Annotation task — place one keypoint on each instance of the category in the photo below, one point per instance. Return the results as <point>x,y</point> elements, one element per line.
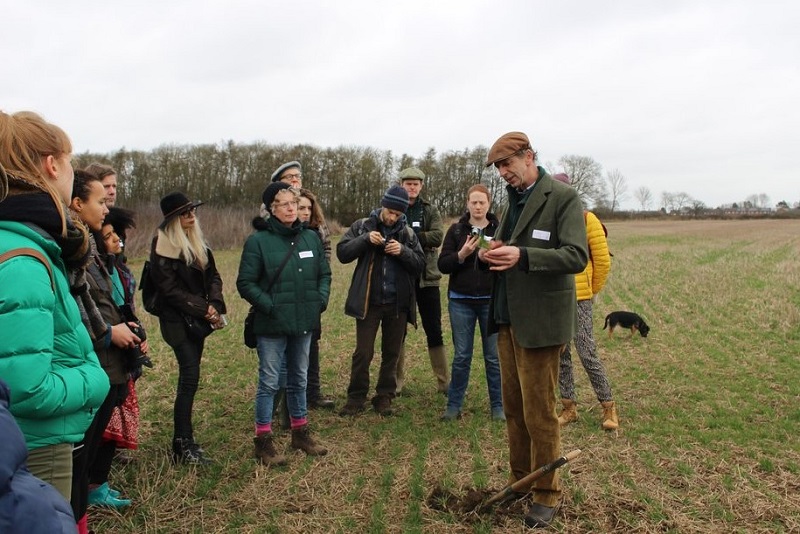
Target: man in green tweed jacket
<point>539,247</point>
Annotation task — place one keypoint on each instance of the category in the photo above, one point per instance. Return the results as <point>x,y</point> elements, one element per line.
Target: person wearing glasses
<point>291,173</point>
<point>190,289</point>
<point>284,274</point>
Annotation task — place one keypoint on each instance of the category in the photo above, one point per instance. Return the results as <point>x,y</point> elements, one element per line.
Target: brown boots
<point>265,450</point>
<point>301,439</point>
<point>610,419</point>
<point>569,414</point>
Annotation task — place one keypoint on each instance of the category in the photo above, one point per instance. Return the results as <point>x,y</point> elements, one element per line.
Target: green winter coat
<point>46,354</point>
<point>551,234</point>
<point>294,303</point>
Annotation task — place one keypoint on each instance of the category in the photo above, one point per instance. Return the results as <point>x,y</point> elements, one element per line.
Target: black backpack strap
<point>34,254</point>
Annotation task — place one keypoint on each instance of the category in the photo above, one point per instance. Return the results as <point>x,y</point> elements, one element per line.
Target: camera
<point>136,357</point>
<point>475,231</point>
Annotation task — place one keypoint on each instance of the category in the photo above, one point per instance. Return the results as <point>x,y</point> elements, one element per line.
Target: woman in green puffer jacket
<point>46,356</point>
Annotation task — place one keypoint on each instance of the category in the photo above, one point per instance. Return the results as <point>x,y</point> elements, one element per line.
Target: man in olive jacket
<point>539,247</point>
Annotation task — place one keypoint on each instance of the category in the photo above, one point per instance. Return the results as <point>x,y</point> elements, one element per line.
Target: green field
<point>709,410</point>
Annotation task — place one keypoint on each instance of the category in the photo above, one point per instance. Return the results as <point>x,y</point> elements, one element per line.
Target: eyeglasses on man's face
<point>292,176</point>
<point>188,213</point>
<point>286,205</point>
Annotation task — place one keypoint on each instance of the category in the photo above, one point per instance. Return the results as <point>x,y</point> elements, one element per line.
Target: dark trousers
<point>104,456</point>
<point>313,384</point>
<point>188,352</point>
<point>430,311</point>
<point>393,327</point>
<point>84,453</point>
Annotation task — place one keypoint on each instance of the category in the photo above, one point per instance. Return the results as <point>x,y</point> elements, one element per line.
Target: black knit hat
<point>174,204</point>
<point>396,198</point>
<point>271,192</point>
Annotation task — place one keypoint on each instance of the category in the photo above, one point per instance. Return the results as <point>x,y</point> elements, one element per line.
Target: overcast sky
<point>701,97</point>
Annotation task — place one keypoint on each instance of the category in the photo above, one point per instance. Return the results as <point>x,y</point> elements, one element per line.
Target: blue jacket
<point>28,505</point>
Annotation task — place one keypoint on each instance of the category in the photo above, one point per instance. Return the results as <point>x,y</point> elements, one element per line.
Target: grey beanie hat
<point>276,176</point>
<point>396,198</point>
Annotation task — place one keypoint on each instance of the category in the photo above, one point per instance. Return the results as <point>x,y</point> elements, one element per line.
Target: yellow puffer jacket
<point>593,278</point>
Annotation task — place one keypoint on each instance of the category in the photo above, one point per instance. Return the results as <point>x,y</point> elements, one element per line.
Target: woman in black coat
<point>191,307</point>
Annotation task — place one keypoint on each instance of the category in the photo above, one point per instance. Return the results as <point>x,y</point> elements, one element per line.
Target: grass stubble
<point>709,407</point>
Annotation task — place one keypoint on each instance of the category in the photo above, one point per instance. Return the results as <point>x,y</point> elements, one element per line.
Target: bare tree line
<point>349,180</point>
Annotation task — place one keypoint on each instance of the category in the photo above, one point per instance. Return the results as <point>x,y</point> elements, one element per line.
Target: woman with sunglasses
<point>191,306</point>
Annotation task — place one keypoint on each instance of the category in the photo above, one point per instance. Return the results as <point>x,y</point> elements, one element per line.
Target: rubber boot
<point>610,419</point>
<point>280,410</point>
<point>301,439</point>
<point>265,450</point>
<point>440,368</point>
<point>401,370</point>
<point>569,414</point>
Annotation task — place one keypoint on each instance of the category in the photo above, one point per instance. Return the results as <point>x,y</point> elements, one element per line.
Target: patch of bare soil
<point>469,506</point>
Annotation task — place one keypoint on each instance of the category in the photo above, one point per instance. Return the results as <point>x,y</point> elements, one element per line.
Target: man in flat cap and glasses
<point>539,247</point>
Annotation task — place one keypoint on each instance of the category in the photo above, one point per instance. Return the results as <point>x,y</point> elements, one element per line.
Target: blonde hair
<point>191,242</point>
<point>26,139</point>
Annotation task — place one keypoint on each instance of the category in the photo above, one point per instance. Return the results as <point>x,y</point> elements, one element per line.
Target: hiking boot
<point>451,414</point>
<point>498,414</point>
<point>265,450</point>
<point>610,419</point>
<point>352,408</point>
<point>186,451</point>
<point>301,439</point>
<point>569,414</point>
<point>382,404</point>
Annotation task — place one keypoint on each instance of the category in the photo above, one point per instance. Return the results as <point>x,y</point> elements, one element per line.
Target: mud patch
<point>469,506</point>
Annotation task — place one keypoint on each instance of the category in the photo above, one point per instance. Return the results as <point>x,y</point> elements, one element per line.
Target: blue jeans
<point>275,352</point>
<point>464,313</point>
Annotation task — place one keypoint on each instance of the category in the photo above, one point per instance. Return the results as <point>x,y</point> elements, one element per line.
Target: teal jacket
<point>294,303</point>
<point>540,290</point>
<point>46,354</point>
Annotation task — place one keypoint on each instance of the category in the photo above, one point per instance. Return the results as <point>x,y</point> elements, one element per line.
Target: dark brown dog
<point>626,319</point>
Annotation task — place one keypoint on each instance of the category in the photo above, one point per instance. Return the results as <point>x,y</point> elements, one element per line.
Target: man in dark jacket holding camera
<point>381,294</point>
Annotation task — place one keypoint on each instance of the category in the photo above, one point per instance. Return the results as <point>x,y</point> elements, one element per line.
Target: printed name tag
<point>541,234</point>
<point>415,224</point>
<point>307,254</point>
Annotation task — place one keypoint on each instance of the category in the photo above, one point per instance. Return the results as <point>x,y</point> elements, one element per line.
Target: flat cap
<point>276,176</point>
<point>507,145</point>
<point>412,173</point>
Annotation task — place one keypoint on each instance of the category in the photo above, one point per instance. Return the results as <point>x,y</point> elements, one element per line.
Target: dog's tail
<point>606,323</point>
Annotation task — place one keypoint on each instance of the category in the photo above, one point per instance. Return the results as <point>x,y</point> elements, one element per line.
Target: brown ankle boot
<point>569,414</point>
<point>265,450</point>
<point>610,419</point>
<point>301,439</point>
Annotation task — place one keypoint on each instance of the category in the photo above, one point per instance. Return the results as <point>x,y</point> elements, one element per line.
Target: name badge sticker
<point>416,224</point>
<point>307,254</point>
<point>541,234</point>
